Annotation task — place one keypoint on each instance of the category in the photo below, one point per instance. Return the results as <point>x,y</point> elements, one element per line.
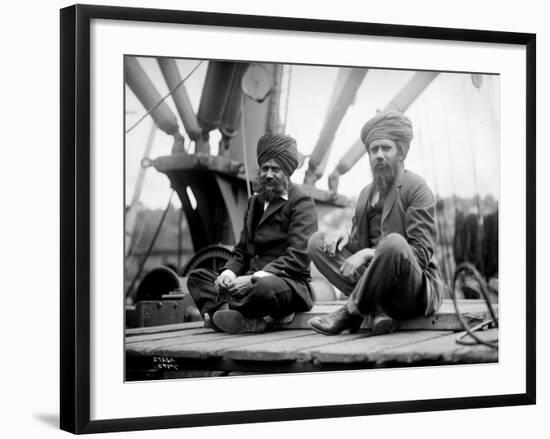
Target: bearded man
<point>385,264</point>
<point>267,276</point>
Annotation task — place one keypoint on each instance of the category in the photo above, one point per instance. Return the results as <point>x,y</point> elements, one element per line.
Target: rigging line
<point>494,109</point>
<point>469,123</point>
<point>180,237</point>
<point>449,152</point>
<point>151,245</point>
<point>484,292</point>
<point>139,187</point>
<point>164,98</point>
<point>246,174</point>
<point>472,153</point>
<point>447,143</point>
<point>440,229</point>
<point>287,96</point>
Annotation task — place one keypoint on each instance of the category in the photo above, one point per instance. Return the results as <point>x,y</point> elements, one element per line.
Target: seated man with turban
<point>267,277</point>
<point>386,264</point>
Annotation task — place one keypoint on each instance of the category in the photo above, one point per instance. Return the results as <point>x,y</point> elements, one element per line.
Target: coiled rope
<point>467,266</point>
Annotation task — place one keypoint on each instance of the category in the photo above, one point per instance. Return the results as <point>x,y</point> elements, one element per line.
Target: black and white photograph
<point>287,218</point>
<point>273,218</point>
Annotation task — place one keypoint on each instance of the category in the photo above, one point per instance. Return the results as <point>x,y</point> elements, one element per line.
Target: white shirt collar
<point>283,196</point>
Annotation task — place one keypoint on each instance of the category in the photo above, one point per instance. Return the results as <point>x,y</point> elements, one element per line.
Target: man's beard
<point>269,190</point>
<point>384,175</point>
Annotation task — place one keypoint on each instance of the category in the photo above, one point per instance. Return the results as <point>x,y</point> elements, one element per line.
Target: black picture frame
<point>75,217</point>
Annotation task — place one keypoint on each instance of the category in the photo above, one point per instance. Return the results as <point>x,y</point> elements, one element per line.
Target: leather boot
<point>382,323</point>
<point>336,322</point>
<point>208,318</point>
<point>233,322</point>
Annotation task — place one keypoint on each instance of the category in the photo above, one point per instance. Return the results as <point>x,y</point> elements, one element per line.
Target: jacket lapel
<point>249,222</point>
<point>391,198</point>
<point>271,209</point>
<point>362,225</point>
<point>250,216</point>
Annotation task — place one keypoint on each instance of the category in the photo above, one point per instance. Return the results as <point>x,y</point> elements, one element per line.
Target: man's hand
<point>225,279</point>
<point>349,268</point>
<point>335,241</point>
<point>240,285</point>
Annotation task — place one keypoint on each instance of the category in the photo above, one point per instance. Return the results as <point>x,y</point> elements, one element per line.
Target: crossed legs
<point>269,296</point>
<point>392,282</point>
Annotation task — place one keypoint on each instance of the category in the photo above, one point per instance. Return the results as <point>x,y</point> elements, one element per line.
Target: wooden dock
<point>190,350</point>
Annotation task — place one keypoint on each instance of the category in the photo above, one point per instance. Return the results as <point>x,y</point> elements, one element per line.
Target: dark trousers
<point>269,295</point>
<point>392,281</point>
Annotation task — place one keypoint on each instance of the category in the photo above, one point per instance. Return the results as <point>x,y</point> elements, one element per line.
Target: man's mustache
<point>381,166</point>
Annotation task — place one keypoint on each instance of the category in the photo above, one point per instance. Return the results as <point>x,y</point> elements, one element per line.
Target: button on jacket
<point>278,243</point>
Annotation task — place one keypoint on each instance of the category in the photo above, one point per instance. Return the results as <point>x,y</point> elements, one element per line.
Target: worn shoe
<point>336,322</point>
<point>233,322</point>
<point>382,323</point>
<point>208,323</point>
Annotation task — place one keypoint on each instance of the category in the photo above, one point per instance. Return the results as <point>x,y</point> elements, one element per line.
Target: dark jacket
<point>409,209</point>
<point>279,243</point>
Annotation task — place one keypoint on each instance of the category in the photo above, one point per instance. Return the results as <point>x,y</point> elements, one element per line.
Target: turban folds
<point>278,147</point>
<point>388,125</point>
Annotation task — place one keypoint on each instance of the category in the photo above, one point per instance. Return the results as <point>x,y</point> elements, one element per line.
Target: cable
<point>469,125</point>
<point>155,236</point>
<point>245,161</point>
<point>164,98</point>
<point>287,96</point>
<point>443,240</point>
<point>470,331</point>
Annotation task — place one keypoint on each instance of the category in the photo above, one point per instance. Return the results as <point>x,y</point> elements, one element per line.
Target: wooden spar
<point>343,95</point>
<point>148,95</point>
<point>401,102</point>
<point>172,76</point>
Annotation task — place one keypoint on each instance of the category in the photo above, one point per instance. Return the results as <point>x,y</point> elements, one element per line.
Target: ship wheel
<point>212,257</point>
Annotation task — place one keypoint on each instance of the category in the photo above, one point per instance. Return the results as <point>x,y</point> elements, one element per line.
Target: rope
<point>474,170</point>
<point>180,235</point>
<point>447,142</point>
<point>450,159</point>
<point>440,230</point>
<point>470,331</point>
<point>150,248</point>
<point>287,96</point>
<point>163,99</point>
<point>246,174</point>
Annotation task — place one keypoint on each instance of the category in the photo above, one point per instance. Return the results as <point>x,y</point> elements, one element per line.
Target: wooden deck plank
<point>163,328</point>
<point>158,336</point>
<point>215,346</point>
<point>443,349</point>
<point>473,311</point>
<point>286,349</point>
<point>434,342</point>
<point>152,347</point>
<point>366,349</point>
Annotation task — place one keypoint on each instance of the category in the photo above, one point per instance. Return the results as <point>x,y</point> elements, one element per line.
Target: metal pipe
<point>343,96</point>
<point>401,102</point>
<point>273,117</point>
<point>148,95</point>
<point>172,76</point>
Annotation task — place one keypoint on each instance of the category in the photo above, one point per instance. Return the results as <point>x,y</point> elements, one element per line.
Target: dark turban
<point>281,148</point>
<point>388,125</point>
